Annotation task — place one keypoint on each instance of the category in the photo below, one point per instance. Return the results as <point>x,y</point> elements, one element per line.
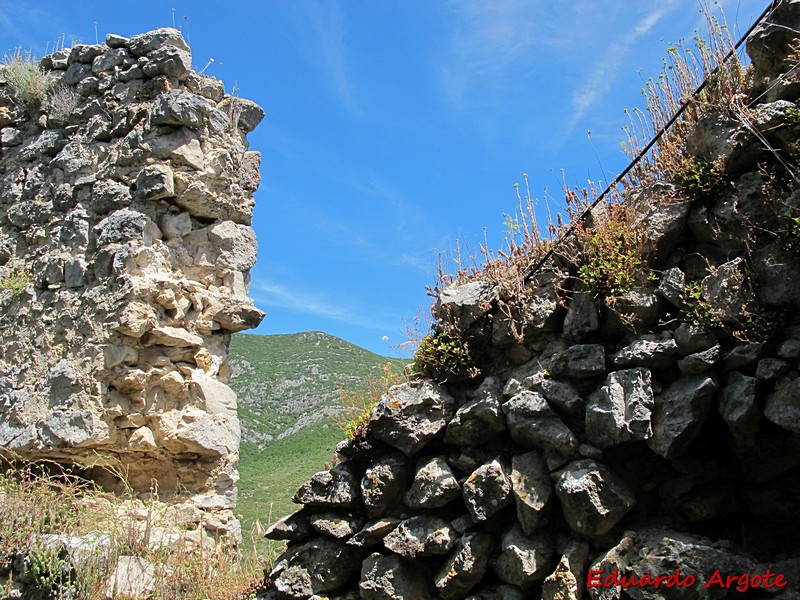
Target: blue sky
<point>396,128</point>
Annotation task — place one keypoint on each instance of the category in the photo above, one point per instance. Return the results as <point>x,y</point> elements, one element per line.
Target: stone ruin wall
<point>126,199</point>
<point>637,440</point>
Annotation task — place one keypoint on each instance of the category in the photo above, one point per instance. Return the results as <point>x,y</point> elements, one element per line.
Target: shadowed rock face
<point>125,205</point>
<point>650,434</point>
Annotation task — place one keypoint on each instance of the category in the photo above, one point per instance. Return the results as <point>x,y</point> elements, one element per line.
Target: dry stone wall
<point>646,447</point>
<point>126,195</point>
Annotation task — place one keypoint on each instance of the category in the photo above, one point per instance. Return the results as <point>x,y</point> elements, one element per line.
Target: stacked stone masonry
<point>635,439</point>
<point>126,196</point>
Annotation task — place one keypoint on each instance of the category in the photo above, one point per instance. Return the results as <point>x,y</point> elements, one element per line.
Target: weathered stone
<point>592,497</point>
<point>110,195</point>
<point>679,413</point>
<point>133,577</point>
<point>778,276</point>
<point>373,532</point>
<point>739,408</point>
<point>646,352</point>
<point>582,317</point>
<point>732,292</point>
<point>155,182</point>
<point>560,393</point>
<point>693,338</point>
<point>463,304</point>
<point>770,368</point>
<point>465,567</point>
<point>662,211</point>
<point>136,318</point>
<point>543,311</point>
<point>174,337</point>
<point>673,286</point>
<point>411,415</point>
<point>145,43</point>
<point>566,582</point>
<point>581,361</point>
<point>392,578</point>
<point>74,231</point>
<point>335,525</point>
<point>75,272</point>
<point>434,485</point>
<point>86,53</point>
<point>620,410</point>
<point>235,315</point>
<point>616,559</point>
<point>699,362</point>
<point>182,146</point>
<point>480,419</point>
<point>523,560</point>
<point>783,405</point>
<point>532,488</point>
<point>208,87</point>
<point>383,483</point>
<point>487,491</point>
<point>125,225</point>
<point>294,527</point>
<point>769,47</point>
<point>423,535</point>
<point>237,245</point>
<point>635,310</point>
<point>193,431</point>
<point>210,393</point>
<point>76,73</point>
<point>109,60</point>
<point>179,108</point>
<point>533,423</point>
<point>337,488</point>
<point>306,569</point>
<point>788,349</point>
<point>246,114</point>
<point>743,356</point>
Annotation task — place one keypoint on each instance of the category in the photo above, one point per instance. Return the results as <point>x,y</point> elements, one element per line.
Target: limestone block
<point>465,567</point>
<point>593,498</point>
<point>534,424</point>
<point>434,485</point>
<point>155,182</point>
<point>392,578</point>
<point>410,415</point>
<point>621,409</point>
<point>213,395</point>
<point>523,560</point>
<point>422,535</point>
<point>133,577</point>
<point>145,43</point>
<point>464,304</point>
<point>235,243</point>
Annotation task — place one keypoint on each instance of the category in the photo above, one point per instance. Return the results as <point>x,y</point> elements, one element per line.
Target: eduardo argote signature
<point>599,578</point>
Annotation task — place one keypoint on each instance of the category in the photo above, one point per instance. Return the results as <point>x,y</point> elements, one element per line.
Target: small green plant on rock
<point>445,356</point>
<point>612,257</point>
<point>788,233</point>
<point>702,179</point>
<point>698,309</point>
<point>16,280</point>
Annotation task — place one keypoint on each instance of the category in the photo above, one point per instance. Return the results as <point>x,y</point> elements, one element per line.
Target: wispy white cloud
<point>487,38</point>
<point>323,35</point>
<point>313,302</point>
<point>603,72</point>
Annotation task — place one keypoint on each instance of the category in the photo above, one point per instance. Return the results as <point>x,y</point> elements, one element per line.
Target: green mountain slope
<point>287,387</point>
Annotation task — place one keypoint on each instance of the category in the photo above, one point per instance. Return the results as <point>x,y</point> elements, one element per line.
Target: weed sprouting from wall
<point>26,78</point>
